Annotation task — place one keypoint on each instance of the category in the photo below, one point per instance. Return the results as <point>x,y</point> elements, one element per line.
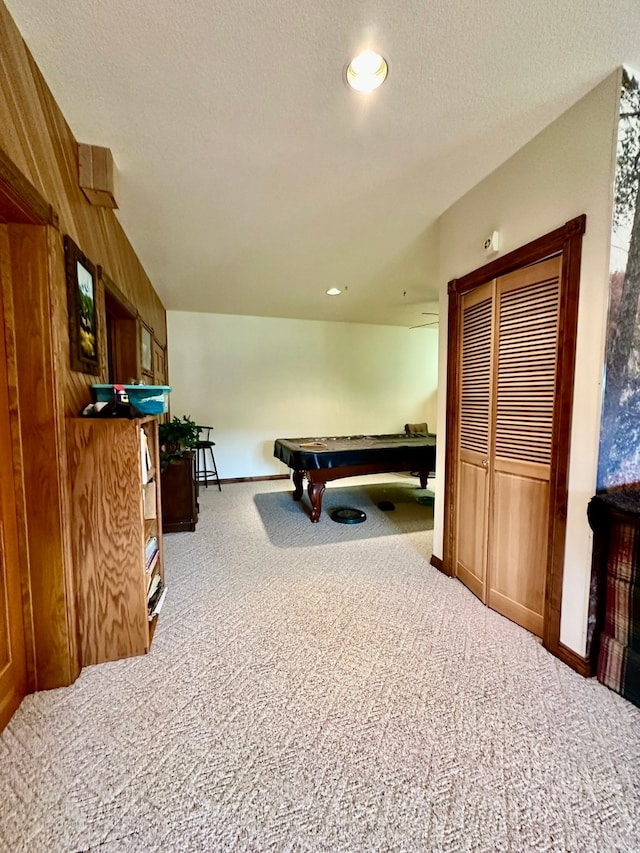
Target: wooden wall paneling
<point>53,147</point>
<point>17,96</point>
<point>42,432</point>
<point>74,383</point>
<point>60,343</point>
<point>125,271</point>
<point>120,305</point>
<point>36,137</point>
<point>62,183</point>
<point>101,238</point>
<point>37,146</point>
<point>103,332</point>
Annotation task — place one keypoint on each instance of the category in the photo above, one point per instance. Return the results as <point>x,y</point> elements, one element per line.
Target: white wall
<point>257,379</point>
<point>563,172</point>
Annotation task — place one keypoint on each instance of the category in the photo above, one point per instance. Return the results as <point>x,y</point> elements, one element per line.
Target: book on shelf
<point>150,569</point>
<point>145,457</point>
<point>156,596</point>
<point>150,548</point>
<point>150,563</point>
<point>155,588</point>
<point>158,605</point>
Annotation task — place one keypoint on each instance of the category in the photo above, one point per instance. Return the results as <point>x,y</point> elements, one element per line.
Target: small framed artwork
<point>81,300</point>
<point>145,349</point>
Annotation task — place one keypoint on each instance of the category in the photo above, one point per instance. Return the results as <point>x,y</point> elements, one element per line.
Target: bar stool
<point>205,446</point>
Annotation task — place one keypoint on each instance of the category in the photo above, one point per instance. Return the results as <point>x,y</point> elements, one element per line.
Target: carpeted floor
<point>287,522</point>
<point>340,697</point>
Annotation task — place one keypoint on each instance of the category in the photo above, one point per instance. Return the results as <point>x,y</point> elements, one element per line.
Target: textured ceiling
<point>251,179</point>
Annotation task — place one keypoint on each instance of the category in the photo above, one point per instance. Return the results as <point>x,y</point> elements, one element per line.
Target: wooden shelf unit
<point>114,514</point>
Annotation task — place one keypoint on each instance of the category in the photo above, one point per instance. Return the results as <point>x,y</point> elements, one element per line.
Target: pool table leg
<point>424,479</point>
<point>297,482</point>
<point>316,490</point>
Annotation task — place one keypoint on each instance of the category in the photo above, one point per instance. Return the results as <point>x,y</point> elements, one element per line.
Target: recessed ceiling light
<point>367,71</point>
<point>333,291</point>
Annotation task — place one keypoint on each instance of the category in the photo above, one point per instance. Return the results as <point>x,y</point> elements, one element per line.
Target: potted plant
<point>177,437</point>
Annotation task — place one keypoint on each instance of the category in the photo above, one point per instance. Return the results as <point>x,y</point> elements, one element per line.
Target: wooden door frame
<point>21,203</point>
<point>121,322</point>
<point>567,241</point>
<point>16,653</point>
<point>39,469</point>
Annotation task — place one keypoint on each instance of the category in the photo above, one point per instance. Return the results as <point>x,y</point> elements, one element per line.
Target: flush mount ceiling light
<point>367,71</point>
<point>333,291</point>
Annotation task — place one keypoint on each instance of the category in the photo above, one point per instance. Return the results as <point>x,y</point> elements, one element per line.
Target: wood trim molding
<point>114,291</point>
<point>35,305</point>
<point>26,205</point>
<point>558,491</point>
<point>537,250</point>
<point>453,427</point>
<point>252,479</point>
<point>566,240</point>
<point>436,561</point>
<point>583,666</point>
<point>16,460</point>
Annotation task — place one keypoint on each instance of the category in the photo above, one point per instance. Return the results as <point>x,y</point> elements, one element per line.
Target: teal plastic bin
<point>147,399</point>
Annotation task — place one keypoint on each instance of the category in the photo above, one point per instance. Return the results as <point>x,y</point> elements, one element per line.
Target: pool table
<point>322,459</point>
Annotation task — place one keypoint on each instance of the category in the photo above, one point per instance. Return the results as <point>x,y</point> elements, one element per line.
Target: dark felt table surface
<point>316,452</point>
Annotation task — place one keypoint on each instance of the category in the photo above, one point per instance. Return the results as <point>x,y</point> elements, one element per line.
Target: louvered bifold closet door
<point>475,359</point>
<point>525,355</point>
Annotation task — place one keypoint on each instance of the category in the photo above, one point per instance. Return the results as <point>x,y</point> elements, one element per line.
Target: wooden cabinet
<point>179,495</point>
<point>116,532</point>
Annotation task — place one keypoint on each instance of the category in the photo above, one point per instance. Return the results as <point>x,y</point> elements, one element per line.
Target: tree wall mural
<point>619,458</point>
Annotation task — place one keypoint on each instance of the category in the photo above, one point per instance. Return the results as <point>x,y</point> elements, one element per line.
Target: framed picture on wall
<point>81,300</point>
<point>146,348</point>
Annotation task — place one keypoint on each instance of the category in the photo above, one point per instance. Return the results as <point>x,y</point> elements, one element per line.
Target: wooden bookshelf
<point>116,509</point>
